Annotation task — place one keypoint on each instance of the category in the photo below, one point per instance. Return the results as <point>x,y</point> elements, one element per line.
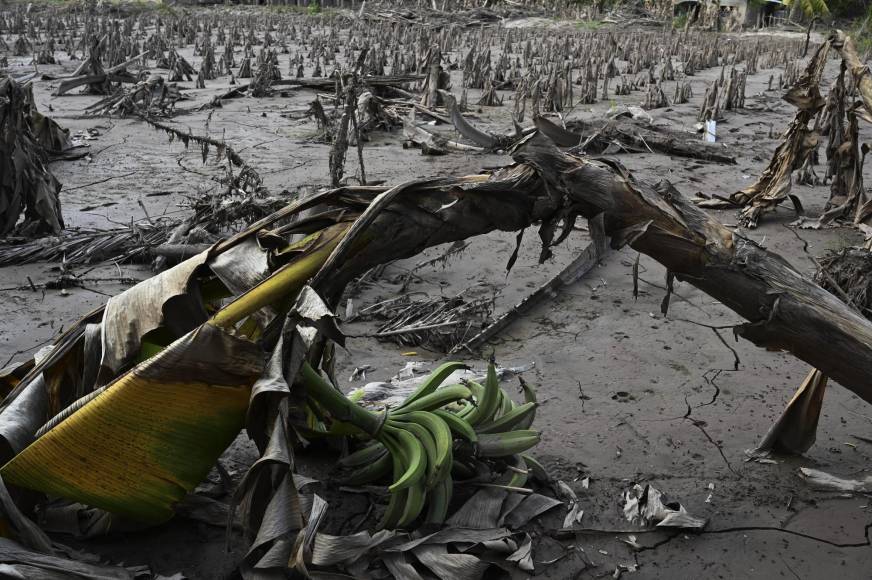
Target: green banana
<point>493,393</point>
<point>526,421</point>
<point>397,501</point>
<point>529,392</point>
<point>520,472</point>
<point>457,425</point>
<point>427,440</point>
<point>439,500</point>
<point>432,382</point>
<point>427,446</point>
<point>471,405</point>
<point>536,469</point>
<point>370,472</point>
<point>477,390</point>
<point>508,422</point>
<point>489,403</point>
<point>415,463</point>
<point>504,444</point>
<point>414,504</point>
<point>363,456</point>
<point>434,400</point>
<point>506,405</point>
<point>441,433</point>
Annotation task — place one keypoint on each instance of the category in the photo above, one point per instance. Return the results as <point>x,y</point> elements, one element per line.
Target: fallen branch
<point>430,143</point>
<point>573,271</point>
<point>625,134</point>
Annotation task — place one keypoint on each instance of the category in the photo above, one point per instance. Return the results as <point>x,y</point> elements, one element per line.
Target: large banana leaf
<point>140,445</point>
<point>151,435</point>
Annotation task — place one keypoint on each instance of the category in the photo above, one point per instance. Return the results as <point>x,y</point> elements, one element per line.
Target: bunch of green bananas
<point>439,435</point>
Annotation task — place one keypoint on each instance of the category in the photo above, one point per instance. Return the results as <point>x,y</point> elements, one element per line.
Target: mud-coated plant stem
<point>339,406</point>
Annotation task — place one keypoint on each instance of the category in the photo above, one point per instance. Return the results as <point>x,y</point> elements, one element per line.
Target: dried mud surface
<point>628,395</point>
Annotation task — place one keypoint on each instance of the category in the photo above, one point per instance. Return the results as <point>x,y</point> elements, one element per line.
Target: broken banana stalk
<point>431,143</point>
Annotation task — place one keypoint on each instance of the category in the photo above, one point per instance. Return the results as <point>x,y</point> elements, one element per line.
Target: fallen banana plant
<point>797,144</point>
<point>28,188</point>
<point>847,274</point>
<point>617,134</point>
<point>266,345</point>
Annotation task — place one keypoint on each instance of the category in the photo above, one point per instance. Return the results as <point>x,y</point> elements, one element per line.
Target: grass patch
<point>588,24</point>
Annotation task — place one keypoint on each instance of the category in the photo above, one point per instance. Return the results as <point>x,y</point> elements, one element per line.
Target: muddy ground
<point>628,395</point>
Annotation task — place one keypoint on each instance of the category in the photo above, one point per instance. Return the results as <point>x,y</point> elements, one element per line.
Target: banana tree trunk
<point>785,310</point>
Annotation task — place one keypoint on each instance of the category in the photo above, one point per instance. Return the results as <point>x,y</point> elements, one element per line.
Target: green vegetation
<point>810,7</point>
<point>862,32</point>
<point>849,8</point>
<point>314,9</point>
<point>588,24</point>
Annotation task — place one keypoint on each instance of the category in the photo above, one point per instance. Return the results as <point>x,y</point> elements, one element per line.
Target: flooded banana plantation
<point>435,290</point>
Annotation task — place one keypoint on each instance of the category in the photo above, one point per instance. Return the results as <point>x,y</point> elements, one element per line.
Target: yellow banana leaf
<point>152,435</point>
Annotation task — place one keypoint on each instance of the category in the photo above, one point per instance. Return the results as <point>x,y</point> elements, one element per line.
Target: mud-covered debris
<point>824,480</point>
<point>16,561</point>
<point>440,323</point>
<point>624,133</point>
<point>574,512</point>
<point>847,273</point>
<point>431,143</point>
<point>454,551</point>
<point>646,506</point>
<point>359,373</point>
<point>152,96</point>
